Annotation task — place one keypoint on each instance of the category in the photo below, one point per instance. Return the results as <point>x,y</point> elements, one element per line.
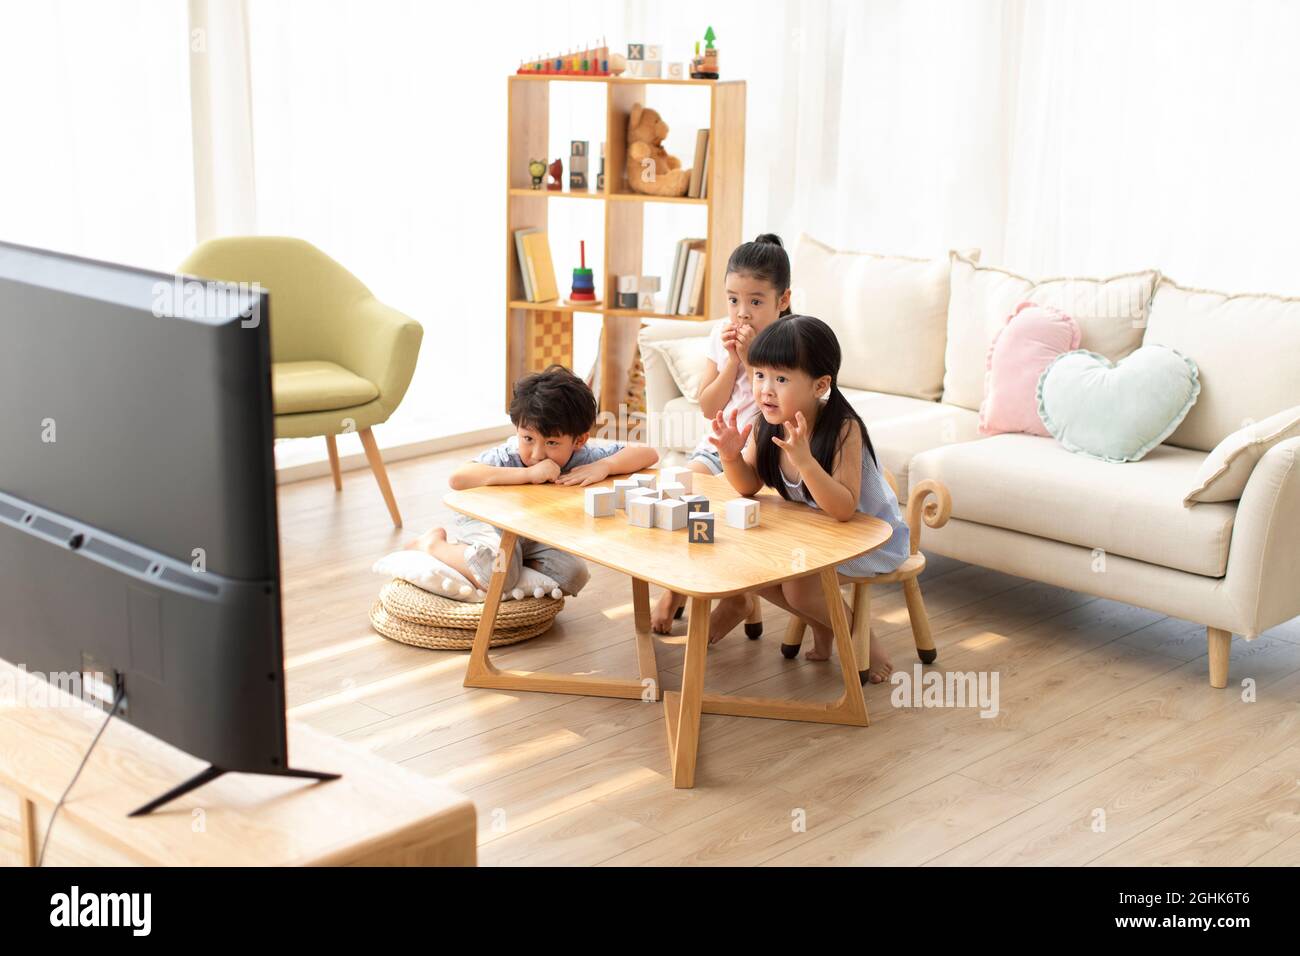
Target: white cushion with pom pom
<point>429,574</point>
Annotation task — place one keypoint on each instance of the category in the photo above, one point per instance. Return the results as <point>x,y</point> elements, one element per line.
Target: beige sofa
<point>915,334</point>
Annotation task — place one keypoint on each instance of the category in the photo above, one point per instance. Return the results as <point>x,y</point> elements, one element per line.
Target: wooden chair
<point>934,513</point>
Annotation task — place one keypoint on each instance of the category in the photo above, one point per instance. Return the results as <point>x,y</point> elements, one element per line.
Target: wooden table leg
<point>27,815</point>
<point>645,639</point>
<point>682,711</point>
<point>481,672</point>
<point>852,705</point>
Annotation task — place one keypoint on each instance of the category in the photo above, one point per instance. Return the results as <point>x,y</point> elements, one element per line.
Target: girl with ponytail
<point>758,294</point>
<point>811,446</point>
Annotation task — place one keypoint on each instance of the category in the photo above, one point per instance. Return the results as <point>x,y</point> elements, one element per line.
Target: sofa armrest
<point>660,388</point>
<point>1264,557</point>
<point>383,347</point>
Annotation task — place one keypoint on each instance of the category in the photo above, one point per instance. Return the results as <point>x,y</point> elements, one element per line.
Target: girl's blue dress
<point>877,499</point>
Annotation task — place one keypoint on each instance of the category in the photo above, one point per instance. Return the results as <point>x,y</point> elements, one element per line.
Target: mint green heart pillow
<point>1117,411</point>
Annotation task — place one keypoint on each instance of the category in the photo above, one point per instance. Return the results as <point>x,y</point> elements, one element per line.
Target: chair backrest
<point>311,294</point>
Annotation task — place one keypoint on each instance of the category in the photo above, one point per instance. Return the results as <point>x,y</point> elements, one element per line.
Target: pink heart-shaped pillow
<point>1030,341</point>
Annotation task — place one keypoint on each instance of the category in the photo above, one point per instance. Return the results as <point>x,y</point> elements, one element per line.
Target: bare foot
<point>428,541</point>
<point>823,640</point>
<point>728,612</point>
<point>880,668</point>
<point>661,618</point>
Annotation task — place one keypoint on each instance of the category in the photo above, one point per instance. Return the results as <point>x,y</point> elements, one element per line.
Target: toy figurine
<point>704,66</point>
<point>537,169</point>
<point>556,172</point>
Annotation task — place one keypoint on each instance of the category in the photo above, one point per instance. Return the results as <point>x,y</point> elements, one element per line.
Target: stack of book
<point>686,290</point>
<point>534,251</point>
<point>699,185</point>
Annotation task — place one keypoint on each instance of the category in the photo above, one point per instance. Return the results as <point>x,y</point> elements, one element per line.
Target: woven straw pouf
<point>410,615</point>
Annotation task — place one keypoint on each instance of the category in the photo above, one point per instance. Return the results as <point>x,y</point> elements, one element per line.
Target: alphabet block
<point>675,71</point>
<point>647,284</point>
<point>645,301</point>
<point>670,514</point>
<point>644,479</point>
<point>641,512</point>
<point>700,527</point>
<point>621,487</point>
<point>742,513</point>
<point>673,489</point>
<point>629,284</point>
<point>629,300</point>
<point>695,503</point>
<point>679,476</point>
<point>599,502</point>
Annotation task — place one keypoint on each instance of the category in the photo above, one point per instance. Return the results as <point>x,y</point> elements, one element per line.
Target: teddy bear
<point>650,169</point>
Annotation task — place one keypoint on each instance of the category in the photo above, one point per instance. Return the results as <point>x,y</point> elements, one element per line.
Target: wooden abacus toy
<point>590,62</point>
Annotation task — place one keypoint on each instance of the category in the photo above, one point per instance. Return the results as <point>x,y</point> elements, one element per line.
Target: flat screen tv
<point>139,554</point>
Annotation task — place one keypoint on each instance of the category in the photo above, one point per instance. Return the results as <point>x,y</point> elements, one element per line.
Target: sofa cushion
<point>1116,411</point>
<point>1032,485</point>
<point>684,358</point>
<point>1247,348</point>
<point>317,387</point>
<point>1021,351</point>
<point>1224,472</point>
<point>900,427</point>
<point>889,313</point>
<point>1111,314</point>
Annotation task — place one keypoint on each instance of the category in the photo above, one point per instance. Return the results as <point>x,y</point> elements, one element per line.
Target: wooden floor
<point>1110,746</point>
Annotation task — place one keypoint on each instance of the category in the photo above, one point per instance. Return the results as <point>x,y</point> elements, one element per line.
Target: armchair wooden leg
<point>381,474</point>
<point>333,448</point>
<point>862,629</point>
<point>793,637</point>
<point>920,622</point>
<point>1220,650</point>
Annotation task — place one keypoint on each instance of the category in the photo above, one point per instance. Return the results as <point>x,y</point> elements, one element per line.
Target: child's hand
<point>796,443</point>
<point>586,474</point>
<point>542,472</point>
<point>745,336</point>
<point>728,338</point>
<point>729,441</point>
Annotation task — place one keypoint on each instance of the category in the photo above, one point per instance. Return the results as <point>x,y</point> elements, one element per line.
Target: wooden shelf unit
<point>538,333</point>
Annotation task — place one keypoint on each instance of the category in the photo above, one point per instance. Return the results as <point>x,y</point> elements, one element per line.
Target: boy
<point>553,413</point>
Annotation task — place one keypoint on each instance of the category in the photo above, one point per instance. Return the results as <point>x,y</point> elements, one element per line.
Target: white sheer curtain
<point>379,134</point>
<point>95,157</point>
<point>1062,137</point>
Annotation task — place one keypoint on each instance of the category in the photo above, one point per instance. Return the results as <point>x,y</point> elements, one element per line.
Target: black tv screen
<point>138,533</point>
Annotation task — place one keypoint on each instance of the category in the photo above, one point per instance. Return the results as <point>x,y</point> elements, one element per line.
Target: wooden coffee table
<point>792,540</point>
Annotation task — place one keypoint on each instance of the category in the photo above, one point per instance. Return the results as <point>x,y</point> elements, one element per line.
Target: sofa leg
<point>381,474</point>
<point>1220,649</point>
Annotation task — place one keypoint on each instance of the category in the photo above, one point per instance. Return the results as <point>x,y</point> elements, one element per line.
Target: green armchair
<point>341,359</point>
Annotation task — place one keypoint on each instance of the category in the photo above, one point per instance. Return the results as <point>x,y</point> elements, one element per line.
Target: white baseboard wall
<point>357,461</point>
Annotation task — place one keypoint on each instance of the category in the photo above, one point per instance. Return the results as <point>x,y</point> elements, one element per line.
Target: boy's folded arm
<point>631,458</point>
<point>475,474</point>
